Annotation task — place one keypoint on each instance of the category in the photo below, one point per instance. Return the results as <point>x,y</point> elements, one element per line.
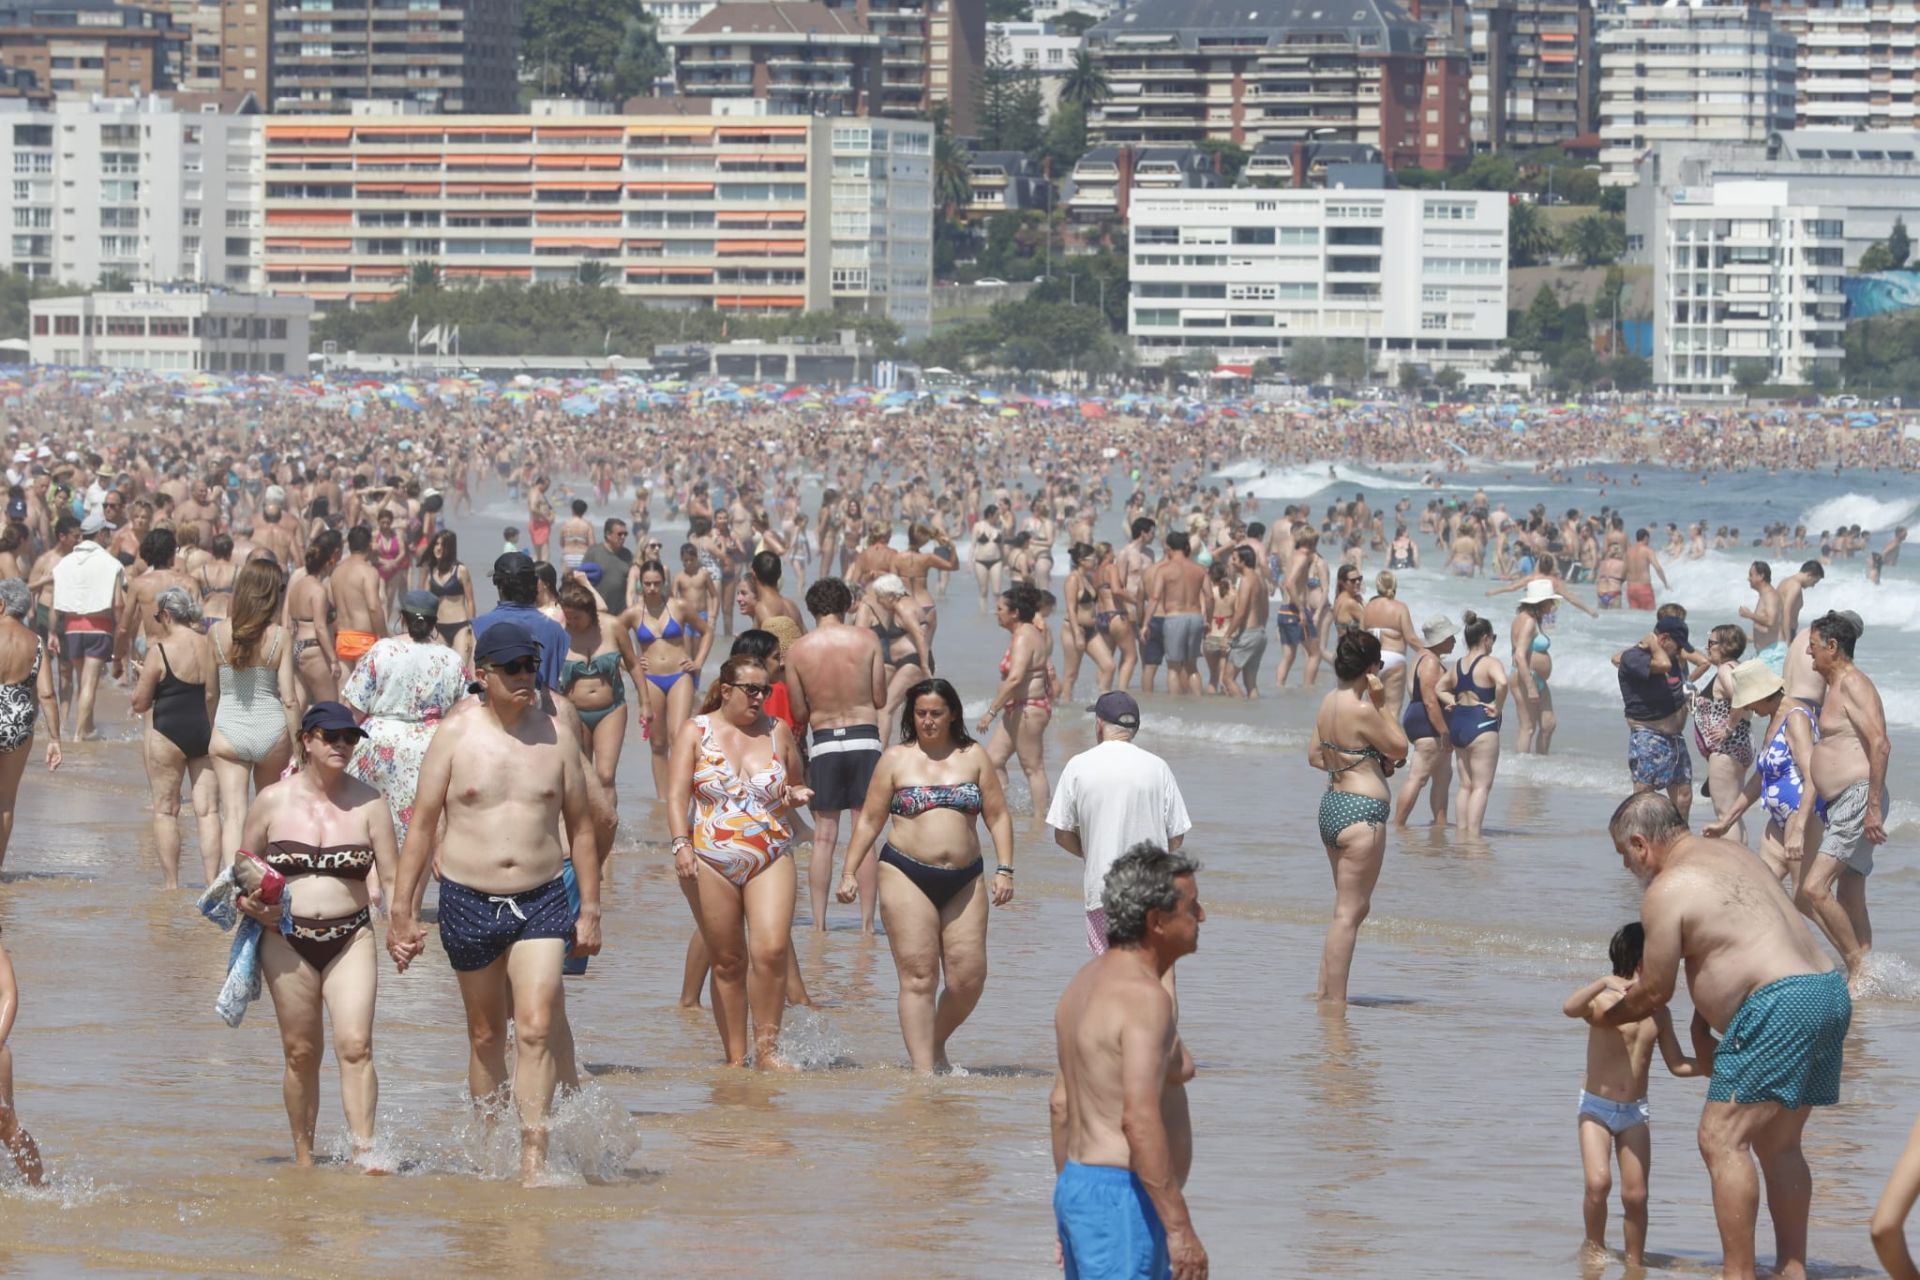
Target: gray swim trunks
<point>1846,837</point>
<point>1247,649</point>
<point>1183,633</point>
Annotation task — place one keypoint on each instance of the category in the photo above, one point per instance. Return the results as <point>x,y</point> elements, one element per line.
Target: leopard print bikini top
<point>344,861</point>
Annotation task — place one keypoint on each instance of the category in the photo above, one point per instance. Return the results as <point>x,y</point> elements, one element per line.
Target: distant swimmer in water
<point>1614,1119</point>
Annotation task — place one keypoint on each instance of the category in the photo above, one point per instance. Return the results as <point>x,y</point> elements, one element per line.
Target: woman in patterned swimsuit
<point>326,832</point>
<point>24,654</point>
<point>1359,744</point>
<point>726,809</point>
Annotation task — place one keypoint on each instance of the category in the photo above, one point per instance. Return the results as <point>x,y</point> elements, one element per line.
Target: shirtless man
<point>1122,1136</point>
<point>1849,763</point>
<point>277,532</point>
<point>1793,590</point>
<point>1135,560</point>
<point>695,586</point>
<point>1641,565</point>
<point>1770,636</point>
<point>136,628</point>
<point>66,535</point>
<point>763,588</point>
<point>1248,628</point>
<point>505,776</point>
<point>836,685</point>
<point>1299,621</point>
<point>1890,554</point>
<point>1176,600</point>
<point>199,508</point>
<point>362,615</point>
<point>1756,976</point>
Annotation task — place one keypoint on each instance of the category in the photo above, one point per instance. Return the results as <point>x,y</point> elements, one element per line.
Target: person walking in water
<point>1850,755</point>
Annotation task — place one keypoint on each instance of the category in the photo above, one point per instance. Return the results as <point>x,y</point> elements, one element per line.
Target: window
<point>66,326</point>
<point>1433,321</point>
<point>1448,211</point>
<point>1156,235</point>
<point>1433,293</point>
<point>1253,235</point>
<point>239,217</point>
<point>119,246</point>
<point>190,217</point>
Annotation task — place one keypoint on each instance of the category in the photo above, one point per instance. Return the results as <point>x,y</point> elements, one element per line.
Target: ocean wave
<point>1849,509</point>
<point>1292,483</point>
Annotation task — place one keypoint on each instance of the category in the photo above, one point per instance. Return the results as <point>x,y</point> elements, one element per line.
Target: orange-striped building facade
<point>752,214</point>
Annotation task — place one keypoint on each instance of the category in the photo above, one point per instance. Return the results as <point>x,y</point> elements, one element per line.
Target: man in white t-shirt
<point>1109,799</point>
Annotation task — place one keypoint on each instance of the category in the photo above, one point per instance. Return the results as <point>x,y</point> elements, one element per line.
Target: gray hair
<point>15,598</point>
<point>1649,815</point>
<point>178,603</point>
<point>888,584</point>
<point>1141,880</point>
<point>1107,731</point>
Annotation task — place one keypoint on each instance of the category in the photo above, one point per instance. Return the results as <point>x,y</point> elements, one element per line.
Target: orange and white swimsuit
<point>735,821</point>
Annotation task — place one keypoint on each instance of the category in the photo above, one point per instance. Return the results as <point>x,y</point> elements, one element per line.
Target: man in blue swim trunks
<point>1654,696</point>
<point>505,775</point>
<point>1758,978</point>
<point>1122,1140</point>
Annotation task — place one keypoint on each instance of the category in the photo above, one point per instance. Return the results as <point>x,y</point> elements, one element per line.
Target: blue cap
<point>328,715</point>
<point>1118,707</point>
<point>591,571</point>
<point>1675,629</point>
<point>505,641</point>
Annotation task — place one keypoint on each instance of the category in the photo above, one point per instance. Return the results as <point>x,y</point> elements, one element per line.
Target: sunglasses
<point>518,667</point>
<point>755,690</point>
<point>338,737</point>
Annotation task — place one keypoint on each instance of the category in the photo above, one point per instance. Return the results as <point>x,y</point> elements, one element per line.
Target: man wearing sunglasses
<point>505,775</point>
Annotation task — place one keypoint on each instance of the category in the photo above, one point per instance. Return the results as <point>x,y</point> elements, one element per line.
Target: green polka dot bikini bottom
<point>1341,809</point>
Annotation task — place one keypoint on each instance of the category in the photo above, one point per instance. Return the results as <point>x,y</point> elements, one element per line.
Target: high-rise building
<point>1534,73</point>
<point>1185,71</point>
<point>744,213</point>
<point>246,46</point>
<point>151,189</point>
<point>1711,73</point>
<point>1741,274</point>
<point>796,56</point>
<point>82,48</point>
<point>1857,63</point>
<point>440,55</point>
<point>1419,276</point>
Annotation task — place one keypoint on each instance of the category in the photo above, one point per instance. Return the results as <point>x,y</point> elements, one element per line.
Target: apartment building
<point>1039,50</point>
<point>442,55</point>
<point>149,189</point>
<point>1741,273</point>
<point>1105,178</point>
<point>1857,63</point>
<point>1534,73</point>
<point>80,48</point>
<point>1419,276</point>
<point>757,214</point>
<point>671,17</point>
<point>1183,71</point>
<point>215,332</point>
<point>1711,73</point>
<point>799,57</point>
<point>1005,182</point>
<point>1871,177</point>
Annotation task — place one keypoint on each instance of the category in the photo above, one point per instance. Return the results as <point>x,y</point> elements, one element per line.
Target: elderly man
<point>1110,798</point>
<point>505,776</point>
<point>615,562</point>
<point>1756,976</point>
<point>89,586</point>
<point>1122,1136</point>
<point>1654,693</point>
<point>1850,756</point>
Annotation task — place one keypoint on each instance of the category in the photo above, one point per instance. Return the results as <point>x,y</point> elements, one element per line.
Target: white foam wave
<point>1857,508</point>
<point>1292,483</point>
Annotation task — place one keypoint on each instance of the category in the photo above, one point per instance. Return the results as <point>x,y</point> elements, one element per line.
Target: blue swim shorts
<point>1153,646</point>
<point>476,928</point>
<point>1287,620</point>
<point>1775,656</point>
<point>1786,1043</point>
<point>1658,759</point>
<point>1109,1229</point>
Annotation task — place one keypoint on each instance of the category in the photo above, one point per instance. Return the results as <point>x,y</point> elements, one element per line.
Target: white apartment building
<point>213,332</point>
<point>671,17</point>
<point>1038,49</point>
<point>1739,274</point>
<point>1054,10</point>
<point>1419,276</point>
<point>152,189</point>
<point>1712,73</point>
<point>1858,64</point>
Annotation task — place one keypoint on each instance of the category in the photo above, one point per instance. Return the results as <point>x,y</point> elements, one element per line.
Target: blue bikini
<point>1465,722</point>
<point>672,631</point>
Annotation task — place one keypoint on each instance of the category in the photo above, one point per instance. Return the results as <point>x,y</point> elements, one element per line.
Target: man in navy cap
<point>513,579</point>
<point>506,776</point>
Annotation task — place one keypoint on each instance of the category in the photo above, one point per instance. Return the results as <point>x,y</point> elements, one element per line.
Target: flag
<point>606,343</point>
<point>413,332</point>
<point>456,339</point>
<point>432,338</point>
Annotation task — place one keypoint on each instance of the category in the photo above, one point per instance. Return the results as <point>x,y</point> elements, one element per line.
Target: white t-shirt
<point>1116,795</point>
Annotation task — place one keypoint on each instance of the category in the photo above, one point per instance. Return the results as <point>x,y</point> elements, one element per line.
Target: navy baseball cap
<point>421,603</point>
<point>329,715</point>
<point>1118,707</point>
<point>1675,629</point>
<point>503,642</point>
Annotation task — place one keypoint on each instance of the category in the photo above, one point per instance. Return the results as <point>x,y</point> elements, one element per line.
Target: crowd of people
<point>290,614</point>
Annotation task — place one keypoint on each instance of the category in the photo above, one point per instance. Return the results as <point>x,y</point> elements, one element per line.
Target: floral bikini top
<point>911,802</point>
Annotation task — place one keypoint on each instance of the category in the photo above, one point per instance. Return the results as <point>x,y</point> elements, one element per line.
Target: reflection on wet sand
<point>1345,1118</point>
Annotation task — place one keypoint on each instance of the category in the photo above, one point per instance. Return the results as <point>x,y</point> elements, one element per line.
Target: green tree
<point>952,177</point>
<point>1539,326</point>
<point>1085,84</point>
<point>1750,375</point>
<point>1449,378</point>
<point>1003,97</point>
<point>1613,199</point>
<point>1411,377</point>
<point>1066,138</point>
<point>1612,296</point>
<point>1026,129</point>
<point>1529,239</point>
<point>564,45</point>
<point>642,60</point>
<point>422,275</point>
<point>1308,360</point>
<point>1073,23</point>
<point>1596,239</point>
<point>1489,173</point>
<point>591,273</point>
<point>1231,157</point>
<point>1823,377</point>
<point>1877,257</point>
<point>114,282</point>
<point>1899,245</point>
<point>1630,373</point>
<point>1349,361</point>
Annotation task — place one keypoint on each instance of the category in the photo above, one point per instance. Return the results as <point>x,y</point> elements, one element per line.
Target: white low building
<point>1740,273</point>
<point>211,332</point>
<point>1419,276</point>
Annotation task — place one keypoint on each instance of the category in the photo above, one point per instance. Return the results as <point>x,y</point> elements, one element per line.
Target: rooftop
<point>801,19</point>
<point>1374,25</point>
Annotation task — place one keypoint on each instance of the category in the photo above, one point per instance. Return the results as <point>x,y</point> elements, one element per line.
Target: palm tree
<point>952,176</point>
<point>1085,83</point>
<point>1529,238</point>
<point>591,272</point>
<point>423,274</point>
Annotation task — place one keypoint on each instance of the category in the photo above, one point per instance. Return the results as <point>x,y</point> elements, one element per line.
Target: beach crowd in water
<point>752,595</point>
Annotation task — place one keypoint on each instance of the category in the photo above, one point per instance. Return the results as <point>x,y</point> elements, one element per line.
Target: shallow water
<point>1426,1131</point>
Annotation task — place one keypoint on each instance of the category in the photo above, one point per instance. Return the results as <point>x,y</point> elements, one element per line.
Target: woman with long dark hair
<point>452,587</point>
<point>1475,691</point>
<point>935,787</point>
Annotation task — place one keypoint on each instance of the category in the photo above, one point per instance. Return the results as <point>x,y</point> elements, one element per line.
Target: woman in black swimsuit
<point>933,898</point>
<point>449,581</point>
<point>177,693</point>
<point>327,832</point>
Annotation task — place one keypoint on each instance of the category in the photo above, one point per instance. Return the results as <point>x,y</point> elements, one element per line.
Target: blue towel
<point>242,985</point>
